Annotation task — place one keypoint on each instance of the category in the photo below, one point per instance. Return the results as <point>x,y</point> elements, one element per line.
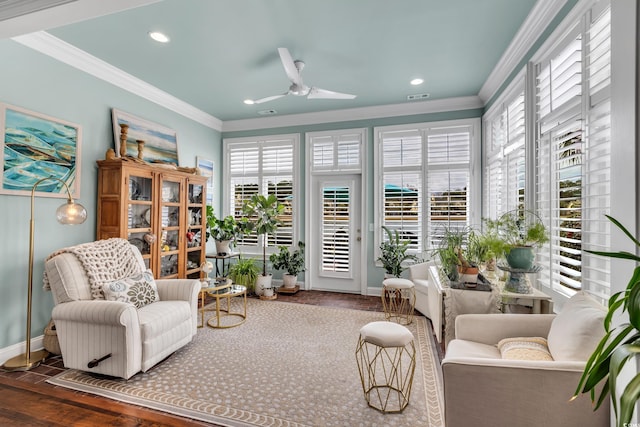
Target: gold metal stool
<point>398,300</point>
<point>386,357</point>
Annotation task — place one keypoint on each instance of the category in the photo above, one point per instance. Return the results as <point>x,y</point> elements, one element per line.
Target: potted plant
<point>223,230</point>
<point>262,212</point>
<point>448,251</point>
<point>244,272</point>
<point>393,253</point>
<point>291,262</point>
<point>521,231</point>
<point>619,344</point>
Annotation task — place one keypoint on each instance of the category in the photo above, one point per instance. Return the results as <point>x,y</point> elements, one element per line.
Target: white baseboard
<point>7,353</point>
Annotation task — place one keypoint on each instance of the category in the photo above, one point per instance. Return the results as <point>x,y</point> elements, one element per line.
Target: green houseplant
<point>521,231</point>
<point>449,250</point>
<point>263,212</point>
<point>619,344</point>
<point>393,253</point>
<point>223,230</point>
<point>244,272</point>
<point>291,262</point>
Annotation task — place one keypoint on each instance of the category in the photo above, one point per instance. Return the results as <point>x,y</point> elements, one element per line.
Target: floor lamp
<point>68,213</point>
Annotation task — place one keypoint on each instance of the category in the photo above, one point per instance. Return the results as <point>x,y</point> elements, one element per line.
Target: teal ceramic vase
<point>521,257</point>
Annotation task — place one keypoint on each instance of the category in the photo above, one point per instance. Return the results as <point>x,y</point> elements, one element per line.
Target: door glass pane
<point>336,226</point>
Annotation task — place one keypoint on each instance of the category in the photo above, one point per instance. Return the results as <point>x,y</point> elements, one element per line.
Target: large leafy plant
<point>620,344</point>
<point>291,262</point>
<point>263,212</point>
<point>519,228</point>
<point>393,252</point>
<point>220,229</point>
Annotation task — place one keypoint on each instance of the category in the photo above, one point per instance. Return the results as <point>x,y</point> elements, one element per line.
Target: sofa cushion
<point>139,290</point>
<point>578,329</point>
<point>524,348</point>
<point>466,349</point>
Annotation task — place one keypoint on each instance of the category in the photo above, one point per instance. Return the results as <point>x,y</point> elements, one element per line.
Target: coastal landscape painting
<point>160,143</point>
<point>36,146</point>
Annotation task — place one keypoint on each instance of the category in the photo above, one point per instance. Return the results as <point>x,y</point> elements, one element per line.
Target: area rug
<point>287,365</point>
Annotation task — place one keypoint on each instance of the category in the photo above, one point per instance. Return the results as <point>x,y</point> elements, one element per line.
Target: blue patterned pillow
<point>138,290</point>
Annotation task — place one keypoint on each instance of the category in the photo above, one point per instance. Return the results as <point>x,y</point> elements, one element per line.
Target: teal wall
<point>41,84</point>
<point>375,275</point>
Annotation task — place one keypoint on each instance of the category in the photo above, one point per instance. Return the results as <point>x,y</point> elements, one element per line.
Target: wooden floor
<point>27,400</point>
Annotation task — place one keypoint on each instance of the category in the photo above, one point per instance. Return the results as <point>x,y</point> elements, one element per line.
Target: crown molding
<point>52,46</point>
<point>535,23</point>
<point>22,17</point>
<point>351,114</point>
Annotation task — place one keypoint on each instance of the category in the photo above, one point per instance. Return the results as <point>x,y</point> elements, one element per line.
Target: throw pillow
<point>524,348</point>
<point>138,290</point>
<point>577,329</point>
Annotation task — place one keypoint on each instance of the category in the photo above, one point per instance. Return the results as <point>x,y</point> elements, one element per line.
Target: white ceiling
<point>224,51</point>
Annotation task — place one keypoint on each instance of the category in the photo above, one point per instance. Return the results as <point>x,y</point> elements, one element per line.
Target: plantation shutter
<point>402,171</point>
<point>505,158</point>
<point>448,175</point>
<point>263,167</point>
<point>573,158</point>
<point>337,152</point>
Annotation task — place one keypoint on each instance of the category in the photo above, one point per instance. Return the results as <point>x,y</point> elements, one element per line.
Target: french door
<point>336,242</point>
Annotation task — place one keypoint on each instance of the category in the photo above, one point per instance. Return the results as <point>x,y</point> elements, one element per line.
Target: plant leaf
<point>628,401</point>
<point>624,230</point>
<point>619,358</point>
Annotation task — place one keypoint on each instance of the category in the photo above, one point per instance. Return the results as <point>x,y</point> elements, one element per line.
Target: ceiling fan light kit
<point>293,69</point>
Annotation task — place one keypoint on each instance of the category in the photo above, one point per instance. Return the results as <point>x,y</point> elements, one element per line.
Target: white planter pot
<point>268,292</point>
<point>289,281</point>
<point>223,247</point>
<point>263,282</point>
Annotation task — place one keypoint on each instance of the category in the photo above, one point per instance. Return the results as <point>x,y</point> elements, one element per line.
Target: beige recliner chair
<point>490,382</point>
<point>89,329</point>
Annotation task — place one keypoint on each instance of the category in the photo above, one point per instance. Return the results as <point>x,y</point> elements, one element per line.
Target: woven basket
<point>50,341</point>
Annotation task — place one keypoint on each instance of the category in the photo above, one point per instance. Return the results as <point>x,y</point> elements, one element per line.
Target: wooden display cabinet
<point>138,202</point>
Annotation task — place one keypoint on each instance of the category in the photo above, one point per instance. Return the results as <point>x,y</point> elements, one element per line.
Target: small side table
<point>398,300</point>
<point>541,303</point>
<point>225,260</point>
<point>227,291</point>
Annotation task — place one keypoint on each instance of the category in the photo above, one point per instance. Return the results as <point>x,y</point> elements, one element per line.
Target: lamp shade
<point>71,213</point>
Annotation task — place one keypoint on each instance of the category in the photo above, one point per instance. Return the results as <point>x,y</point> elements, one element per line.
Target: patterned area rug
<point>287,365</point>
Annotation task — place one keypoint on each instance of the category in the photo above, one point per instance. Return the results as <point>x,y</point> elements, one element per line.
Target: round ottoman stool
<point>398,300</point>
<point>386,357</point>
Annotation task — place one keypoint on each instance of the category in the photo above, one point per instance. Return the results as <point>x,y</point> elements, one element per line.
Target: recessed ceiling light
<point>416,82</point>
<point>159,37</point>
<point>249,101</point>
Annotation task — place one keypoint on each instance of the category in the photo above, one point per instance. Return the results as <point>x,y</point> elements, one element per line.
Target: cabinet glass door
<point>170,211</point>
<point>196,228</point>
<point>140,216</point>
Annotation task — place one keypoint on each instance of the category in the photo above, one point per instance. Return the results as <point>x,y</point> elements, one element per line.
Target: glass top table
<point>229,314</point>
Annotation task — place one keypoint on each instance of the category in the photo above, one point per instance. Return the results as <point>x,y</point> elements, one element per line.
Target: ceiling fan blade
<point>269,98</point>
<point>317,93</point>
<point>289,66</point>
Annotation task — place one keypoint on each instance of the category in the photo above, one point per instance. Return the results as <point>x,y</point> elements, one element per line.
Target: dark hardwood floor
<point>27,400</point>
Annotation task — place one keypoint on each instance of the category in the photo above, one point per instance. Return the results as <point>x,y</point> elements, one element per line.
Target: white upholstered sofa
<point>428,296</point>
<point>136,338</point>
<point>485,387</point>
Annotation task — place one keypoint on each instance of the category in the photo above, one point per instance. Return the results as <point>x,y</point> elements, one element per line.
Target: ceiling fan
<point>293,69</point>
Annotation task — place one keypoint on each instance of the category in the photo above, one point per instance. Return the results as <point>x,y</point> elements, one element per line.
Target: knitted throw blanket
<point>103,261</point>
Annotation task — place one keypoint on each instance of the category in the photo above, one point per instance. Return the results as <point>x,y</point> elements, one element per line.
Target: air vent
<point>267,112</point>
<point>417,97</point>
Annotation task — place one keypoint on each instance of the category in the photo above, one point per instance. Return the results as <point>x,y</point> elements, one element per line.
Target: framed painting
<point>206,169</point>
<point>36,146</point>
<point>160,143</point>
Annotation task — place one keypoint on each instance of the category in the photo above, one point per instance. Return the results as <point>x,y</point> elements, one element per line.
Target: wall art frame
<point>206,167</point>
<point>160,142</point>
<point>37,146</point>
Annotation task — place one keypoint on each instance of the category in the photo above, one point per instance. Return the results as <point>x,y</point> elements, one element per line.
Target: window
<point>424,180</point>
<point>572,150</point>
<point>504,159</point>
<point>263,166</point>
